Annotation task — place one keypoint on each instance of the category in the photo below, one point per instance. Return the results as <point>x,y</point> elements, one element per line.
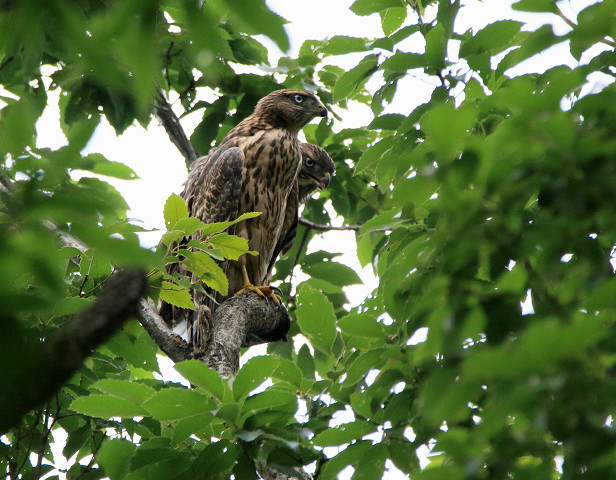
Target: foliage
<point>496,191</point>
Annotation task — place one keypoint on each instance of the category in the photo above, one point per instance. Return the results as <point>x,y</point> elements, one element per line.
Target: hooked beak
<point>323,182</point>
<point>323,112</point>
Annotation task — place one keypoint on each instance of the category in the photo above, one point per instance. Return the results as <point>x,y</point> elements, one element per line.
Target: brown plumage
<point>315,173</point>
<point>254,168</point>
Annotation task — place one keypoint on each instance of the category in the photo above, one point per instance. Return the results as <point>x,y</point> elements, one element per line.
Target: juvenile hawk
<point>254,168</point>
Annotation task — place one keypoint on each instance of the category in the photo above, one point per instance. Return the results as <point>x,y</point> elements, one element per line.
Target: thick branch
<point>242,321</point>
<point>34,370</point>
<point>170,343</point>
<point>172,126</point>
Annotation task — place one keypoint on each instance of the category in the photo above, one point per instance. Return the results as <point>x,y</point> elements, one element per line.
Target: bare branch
<point>171,123</point>
<point>326,228</point>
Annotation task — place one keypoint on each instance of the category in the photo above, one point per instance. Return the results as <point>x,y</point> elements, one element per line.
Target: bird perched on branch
<point>254,168</point>
<point>315,174</point>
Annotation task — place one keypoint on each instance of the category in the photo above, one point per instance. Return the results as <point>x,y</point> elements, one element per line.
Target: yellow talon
<point>261,290</point>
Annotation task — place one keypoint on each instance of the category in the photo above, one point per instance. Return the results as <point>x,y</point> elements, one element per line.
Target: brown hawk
<point>254,168</point>
<point>315,173</point>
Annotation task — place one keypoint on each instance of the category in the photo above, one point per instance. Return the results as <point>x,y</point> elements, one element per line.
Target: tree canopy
<point>487,215</point>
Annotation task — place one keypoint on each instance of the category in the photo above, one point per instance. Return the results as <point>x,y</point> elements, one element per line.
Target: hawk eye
<point>298,98</point>
<point>308,162</point>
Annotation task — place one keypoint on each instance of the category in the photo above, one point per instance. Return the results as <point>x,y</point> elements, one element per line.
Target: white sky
<point>161,168</point>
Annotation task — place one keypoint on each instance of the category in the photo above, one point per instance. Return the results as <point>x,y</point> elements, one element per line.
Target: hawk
<point>254,168</point>
<point>315,173</point>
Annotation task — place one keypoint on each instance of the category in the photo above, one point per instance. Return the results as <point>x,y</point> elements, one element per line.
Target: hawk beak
<point>323,112</point>
<point>324,181</point>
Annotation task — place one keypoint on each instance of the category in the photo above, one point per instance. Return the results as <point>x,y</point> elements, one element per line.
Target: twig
<point>574,25</point>
<point>326,228</point>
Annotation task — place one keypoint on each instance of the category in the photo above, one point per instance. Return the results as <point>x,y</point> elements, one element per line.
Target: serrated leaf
<point>188,226</point>
<point>218,227</point>
<point>176,403</point>
<point>105,406</point>
<point>132,391</point>
<point>231,246</point>
<point>206,268</point>
<point>316,318</point>
<point>355,77</point>
<point>171,293</point>
<point>175,209</point>
<point>199,374</point>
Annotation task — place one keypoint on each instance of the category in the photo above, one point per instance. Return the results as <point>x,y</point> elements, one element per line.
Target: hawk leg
<point>264,291</point>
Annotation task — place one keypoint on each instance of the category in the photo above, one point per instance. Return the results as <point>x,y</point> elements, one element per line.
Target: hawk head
<point>290,109</point>
<point>316,170</point>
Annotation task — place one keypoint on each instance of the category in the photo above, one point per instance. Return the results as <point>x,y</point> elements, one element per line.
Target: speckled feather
<point>309,178</point>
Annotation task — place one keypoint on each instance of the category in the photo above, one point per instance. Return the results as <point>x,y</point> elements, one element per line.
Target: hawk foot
<point>264,291</point>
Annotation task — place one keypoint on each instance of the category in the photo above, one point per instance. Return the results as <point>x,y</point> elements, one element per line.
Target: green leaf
<point>104,406</point>
<point>132,391</point>
<point>340,45</point>
<point>316,319</point>
<point>199,374</point>
<point>401,62</point>
<point>343,434</point>
<point>175,210</point>
<point>354,78</point>
<point>255,17</point>
<point>218,227</point>
<point>447,127</point>
<point>231,246</point>
<point>206,268</point>
<point>176,403</point>
<point>373,155</point>
<point>361,325</point>
<point>252,374</point>
<point>188,226</point>
<point>492,39</point>
<point>174,295</point>
<point>535,6</point>
<point>115,456</point>
<point>102,166</point>
<point>366,7</point>
<point>334,272</point>
<point>392,19</point>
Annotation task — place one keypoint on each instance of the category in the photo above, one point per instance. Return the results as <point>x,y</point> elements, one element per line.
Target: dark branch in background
<point>171,124</point>
<point>326,228</point>
<point>46,366</point>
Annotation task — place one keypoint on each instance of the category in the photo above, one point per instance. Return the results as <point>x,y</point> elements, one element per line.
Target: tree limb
<point>48,365</point>
<point>171,123</point>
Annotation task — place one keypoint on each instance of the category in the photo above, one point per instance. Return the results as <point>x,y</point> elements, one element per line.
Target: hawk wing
<point>212,194</point>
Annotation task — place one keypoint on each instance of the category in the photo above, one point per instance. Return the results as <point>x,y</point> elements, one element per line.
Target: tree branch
<point>326,228</point>
<point>171,124</point>
<point>48,365</point>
